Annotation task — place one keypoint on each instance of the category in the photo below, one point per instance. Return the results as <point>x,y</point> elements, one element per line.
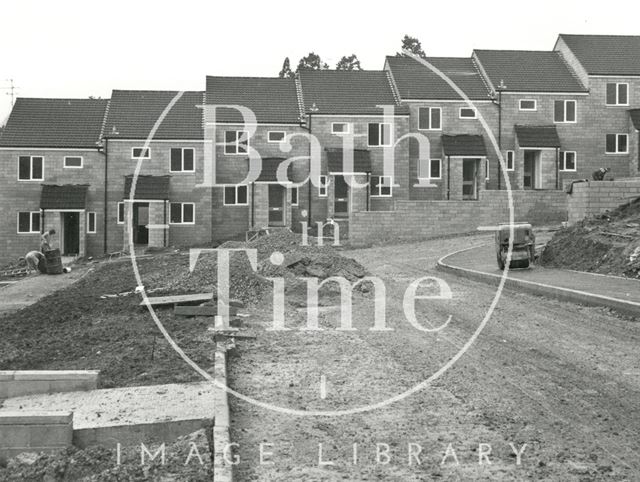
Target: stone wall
<point>595,197</point>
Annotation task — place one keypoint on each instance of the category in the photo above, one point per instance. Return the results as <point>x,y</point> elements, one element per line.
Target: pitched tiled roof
<point>132,114</point>
<point>537,136</point>
<point>635,117</point>
<point>272,100</point>
<point>361,160</point>
<point>348,92</point>
<point>68,196</point>
<point>606,54</point>
<point>416,81</point>
<point>528,71</point>
<point>464,145</point>
<point>148,187</point>
<point>57,123</point>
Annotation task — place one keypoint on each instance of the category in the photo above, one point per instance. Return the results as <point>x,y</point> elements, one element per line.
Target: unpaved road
<point>560,378</point>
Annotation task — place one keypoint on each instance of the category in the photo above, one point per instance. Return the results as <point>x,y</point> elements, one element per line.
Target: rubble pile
<point>608,243</point>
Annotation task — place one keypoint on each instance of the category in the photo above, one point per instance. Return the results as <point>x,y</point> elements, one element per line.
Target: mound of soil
<point>608,243</point>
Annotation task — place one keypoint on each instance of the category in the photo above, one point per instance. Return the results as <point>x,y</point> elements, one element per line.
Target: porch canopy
<point>538,137</point>
<point>68,196</point>
<point>361,160</point>
<point>635,118</point>
<point>148,188</point>
<point>269,170</point>
<point>464,145</point>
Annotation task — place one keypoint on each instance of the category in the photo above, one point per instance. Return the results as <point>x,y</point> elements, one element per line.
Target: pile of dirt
<point>100,464</point>
<point>608,243</point>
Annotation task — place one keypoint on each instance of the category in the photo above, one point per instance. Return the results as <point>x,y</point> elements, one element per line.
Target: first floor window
<point>31,168</point>
<point>29,222</point>
<point>379,134</point>
<point>567,161</point>
<point>275,136</point>
<point>236,195</point>
<point>528,104</point>
<point>467,113</point>
<point>294,196</point>
<point>323,185</point>
<point>339,128</point>
<point>381,186</point>
<point>91,222</point>
<point>617,93</point>
<point>564,111</point>
<point>73,162</point>
<point>430,118</point>
<point>236,142</point>
<point>617,144</point>
<point>140,153</point>
<point>510,160</point>
<point>121,213</point>
<point>430,169</point>
<point>182,159</point>
<point>182,213</point>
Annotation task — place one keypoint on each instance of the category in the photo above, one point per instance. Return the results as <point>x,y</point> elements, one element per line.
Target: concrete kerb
<point>628,308</point>
<point>222,469</point>
<point>16,383</point>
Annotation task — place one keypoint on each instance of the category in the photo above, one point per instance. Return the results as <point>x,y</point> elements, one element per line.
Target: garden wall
<point>595,197</point>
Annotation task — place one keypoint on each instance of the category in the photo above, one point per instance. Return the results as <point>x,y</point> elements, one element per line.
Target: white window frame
<point>95,222</point>
<point>235,196</point>
<point>284,137</point>
<point>380,131</point>
<point>618,104</point>
<point>297,191</point>
<point>148,152</point>
<point>182,222</point>
<point>323,186</point>
<point>617,137</point>
<point>513,161</point>
<point>430,162</point>
<point>182,162</point>
<point>382,184</point>
<point>341,133</point>
<point>487,170</point>
<point>73,167</point>
<point>430,128</point>
<point>236,144</point>
<point>124,213</point>
<point>31,178</point>
<point>563,161</point>
<point>523,109</point>
<point>460,116</point>
<point>564,113</point>
<point>31,213</point>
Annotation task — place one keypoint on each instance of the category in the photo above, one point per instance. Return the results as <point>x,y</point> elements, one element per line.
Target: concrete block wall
<point>595,197</point>
<point>413,220</point>
<point>29,382</point>
<point>34,432</point>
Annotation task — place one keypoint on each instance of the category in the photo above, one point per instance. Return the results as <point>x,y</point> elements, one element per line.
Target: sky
<point>81,48</point>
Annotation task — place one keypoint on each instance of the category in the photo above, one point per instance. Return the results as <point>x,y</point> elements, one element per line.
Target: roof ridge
<point>393,87</point>
<point>299,95</point>
<point>480,74</point>
<point>104,121</point>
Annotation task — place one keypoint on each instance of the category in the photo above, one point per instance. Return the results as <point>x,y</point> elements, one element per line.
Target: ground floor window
<point>430,169</point>
<point>29,222</point>
<point>567,161</point>
<point>487,174</point>
<point>236,195</point>
<point>120,213</point>
<point>510,160</point>
<point>91,223</point>
<point>381,186</point>
<point>182,213</point>
<point>617,144</point>
<point>323,184</point>
<point>294,196</point>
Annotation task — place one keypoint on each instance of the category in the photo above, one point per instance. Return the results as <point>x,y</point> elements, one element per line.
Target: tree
<point>349,63</point>
<point>413,45</point>
<point>311,62</point>
<point>286,71</point>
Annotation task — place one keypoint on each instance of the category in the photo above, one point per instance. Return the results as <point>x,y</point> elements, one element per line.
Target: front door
<point>530,161</point>
<point>71,235</point>
<point>140,222</point>
<point>277,204</point>
<point>340,197</point>
<point>469,179</point>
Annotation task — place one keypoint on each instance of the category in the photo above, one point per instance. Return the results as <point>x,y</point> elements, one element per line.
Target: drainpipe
<point>164,237</point>
<point>253,205</point>
<point>106,200</point>
<point>557,168</point>
<point>448,178</point>
<point>500,88</point>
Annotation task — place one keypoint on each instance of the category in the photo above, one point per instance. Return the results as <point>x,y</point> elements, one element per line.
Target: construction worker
<point>45,240</point>
<point>33,259</point>
<point>600,173</point>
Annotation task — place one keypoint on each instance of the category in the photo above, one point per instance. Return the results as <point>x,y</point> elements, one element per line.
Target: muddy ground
<point>560,378</point>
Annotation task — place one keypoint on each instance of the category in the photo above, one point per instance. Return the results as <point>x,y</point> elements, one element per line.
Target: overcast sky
<point>81,48</point>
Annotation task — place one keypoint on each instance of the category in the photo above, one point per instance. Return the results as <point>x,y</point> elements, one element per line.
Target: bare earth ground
<point>560,378</point>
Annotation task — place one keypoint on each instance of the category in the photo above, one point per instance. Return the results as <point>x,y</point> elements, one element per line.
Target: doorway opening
<point>340,197</point>
<point>470,179</point>
<point>70,241</point>
<point>277,205</point>
<point>531,170</point>
<point>140,222</point>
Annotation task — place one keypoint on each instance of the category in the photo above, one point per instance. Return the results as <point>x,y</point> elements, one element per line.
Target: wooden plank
<point>206,310</point>
<point>176,300</point>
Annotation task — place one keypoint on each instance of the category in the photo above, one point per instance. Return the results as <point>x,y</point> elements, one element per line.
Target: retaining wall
<point>29,382</point>
<point>413,220</point>
<point>595,197</point>
<point>34,432</point>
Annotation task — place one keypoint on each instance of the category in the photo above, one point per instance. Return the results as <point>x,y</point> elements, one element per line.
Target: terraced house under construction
<point>162,168</point>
